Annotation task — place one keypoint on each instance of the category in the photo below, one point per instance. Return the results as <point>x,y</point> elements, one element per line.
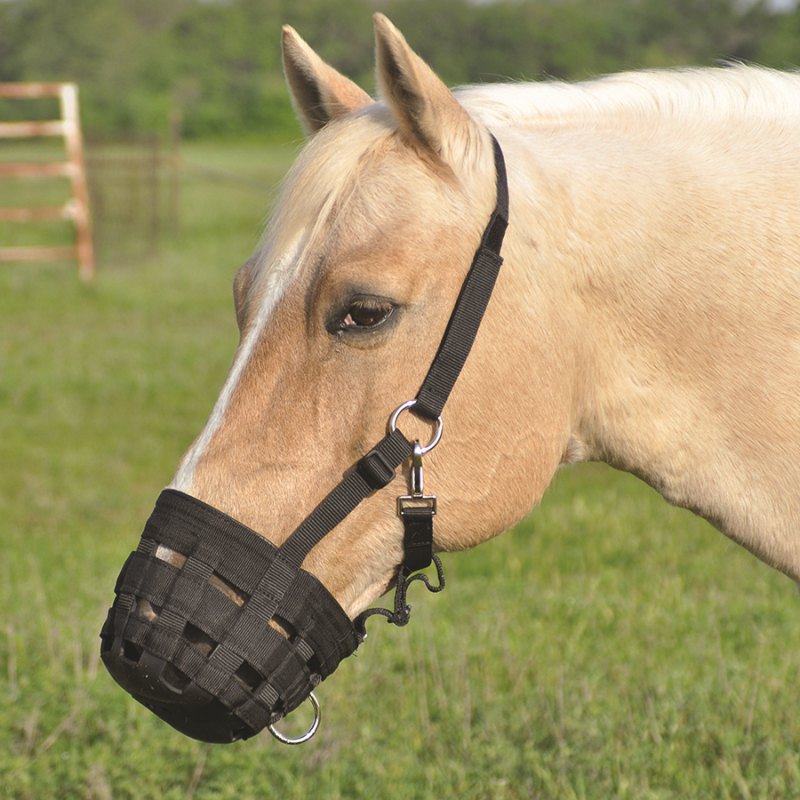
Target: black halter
<point>219,632</point>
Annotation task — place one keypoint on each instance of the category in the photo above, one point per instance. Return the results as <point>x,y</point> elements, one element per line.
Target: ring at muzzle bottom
<point>214,630</point>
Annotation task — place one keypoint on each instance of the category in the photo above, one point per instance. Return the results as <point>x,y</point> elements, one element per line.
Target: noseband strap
<point>219,632</point>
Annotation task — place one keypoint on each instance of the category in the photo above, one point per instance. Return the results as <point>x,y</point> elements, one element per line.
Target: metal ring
<point>436,436</point>
<point>308,734</point>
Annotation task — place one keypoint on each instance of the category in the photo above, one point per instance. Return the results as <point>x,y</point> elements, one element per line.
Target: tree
<point>218,61</point>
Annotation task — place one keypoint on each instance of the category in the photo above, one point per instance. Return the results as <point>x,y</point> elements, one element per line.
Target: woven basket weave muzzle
<point>213,630</point>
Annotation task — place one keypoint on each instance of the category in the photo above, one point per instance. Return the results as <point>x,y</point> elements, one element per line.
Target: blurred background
<point>610,646</point>
<point>156,73</point>
<point>215,64</point>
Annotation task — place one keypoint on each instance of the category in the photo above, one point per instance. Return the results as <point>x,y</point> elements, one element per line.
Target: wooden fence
<point>76,209</point>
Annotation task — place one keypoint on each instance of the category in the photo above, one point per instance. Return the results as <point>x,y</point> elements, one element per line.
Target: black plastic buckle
<point>375,470</point>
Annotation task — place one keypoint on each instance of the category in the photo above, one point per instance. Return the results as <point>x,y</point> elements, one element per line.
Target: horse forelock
<point>358,172</point>
<point>356,181</point>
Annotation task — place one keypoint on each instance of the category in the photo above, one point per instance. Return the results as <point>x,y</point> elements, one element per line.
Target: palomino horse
<point>647,315</point>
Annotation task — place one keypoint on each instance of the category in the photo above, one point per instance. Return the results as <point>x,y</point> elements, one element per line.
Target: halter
<point>221,633</point>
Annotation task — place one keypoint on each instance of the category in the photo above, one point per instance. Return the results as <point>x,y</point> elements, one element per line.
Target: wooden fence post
<point>74,168</point>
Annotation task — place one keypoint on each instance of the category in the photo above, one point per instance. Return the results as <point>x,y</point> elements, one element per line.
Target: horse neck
<point>650,278</point>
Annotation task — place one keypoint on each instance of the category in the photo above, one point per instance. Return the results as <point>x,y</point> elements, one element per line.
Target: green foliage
<point>610,647</point>
<point>577,38</point>
<point>217,62</point>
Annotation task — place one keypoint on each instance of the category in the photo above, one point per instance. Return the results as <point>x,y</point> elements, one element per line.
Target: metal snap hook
<point>309,733</point>
<point>417,495</point>
<point>436,436</point>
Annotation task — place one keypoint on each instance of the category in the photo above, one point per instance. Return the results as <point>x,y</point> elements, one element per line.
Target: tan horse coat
<point>647,314</point>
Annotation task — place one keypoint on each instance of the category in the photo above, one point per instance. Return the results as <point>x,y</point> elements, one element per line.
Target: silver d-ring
<point>436,436</point>
<point>308,734</point>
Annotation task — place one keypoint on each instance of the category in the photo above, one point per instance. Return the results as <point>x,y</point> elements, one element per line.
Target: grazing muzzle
<point>213,630</point>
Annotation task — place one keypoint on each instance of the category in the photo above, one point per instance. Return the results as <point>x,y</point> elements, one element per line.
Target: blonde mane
<point>328,172</point>
<point>645,99</point>
<point>330,177</point>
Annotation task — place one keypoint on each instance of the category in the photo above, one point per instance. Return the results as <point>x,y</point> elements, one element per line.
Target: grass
<point>609,647</point>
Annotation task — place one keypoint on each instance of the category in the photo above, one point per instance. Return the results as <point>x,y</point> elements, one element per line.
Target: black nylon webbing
<point>469,309</point>
<point>394,449</point>
<point>417,538</point>
<point>456,343</point>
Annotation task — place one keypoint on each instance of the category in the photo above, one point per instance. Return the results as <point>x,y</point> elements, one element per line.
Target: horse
<point>647,315</point>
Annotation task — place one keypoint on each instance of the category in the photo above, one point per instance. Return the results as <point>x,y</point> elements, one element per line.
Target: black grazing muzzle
<point>213,630</point>
<point>221,633</point>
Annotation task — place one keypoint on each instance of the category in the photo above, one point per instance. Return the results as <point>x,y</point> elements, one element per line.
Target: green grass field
<point>610,647</point>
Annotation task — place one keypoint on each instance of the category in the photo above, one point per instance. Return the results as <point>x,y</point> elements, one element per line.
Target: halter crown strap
<point>470,307</point>
<point>377,469</point>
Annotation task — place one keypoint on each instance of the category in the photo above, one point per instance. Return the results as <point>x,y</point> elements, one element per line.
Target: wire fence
<point>134,191</point>
<point>134,186</point>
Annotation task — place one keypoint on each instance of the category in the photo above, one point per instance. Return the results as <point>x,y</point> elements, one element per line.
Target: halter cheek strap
<point>377,468</point>
<point>417,510</point>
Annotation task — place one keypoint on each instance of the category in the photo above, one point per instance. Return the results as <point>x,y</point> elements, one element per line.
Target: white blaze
<point>277,281</point>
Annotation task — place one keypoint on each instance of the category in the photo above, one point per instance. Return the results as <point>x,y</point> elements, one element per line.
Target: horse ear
<point>319,93</point>
<point>425,108</point>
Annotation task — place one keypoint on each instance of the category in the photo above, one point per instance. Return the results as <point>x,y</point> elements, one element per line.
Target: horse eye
<point>366,314</point>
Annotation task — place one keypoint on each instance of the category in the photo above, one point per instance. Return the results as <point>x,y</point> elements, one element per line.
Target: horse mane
<point>637,98</point>
<point>642,101</point>
<point>645,99</point>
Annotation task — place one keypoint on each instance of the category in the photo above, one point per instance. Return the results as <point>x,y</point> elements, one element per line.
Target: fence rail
<point>77,208</point>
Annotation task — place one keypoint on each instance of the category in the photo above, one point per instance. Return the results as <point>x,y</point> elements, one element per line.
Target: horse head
<point>340,311</point>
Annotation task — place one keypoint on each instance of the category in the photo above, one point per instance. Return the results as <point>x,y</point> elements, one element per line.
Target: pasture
<point>609,647</point>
